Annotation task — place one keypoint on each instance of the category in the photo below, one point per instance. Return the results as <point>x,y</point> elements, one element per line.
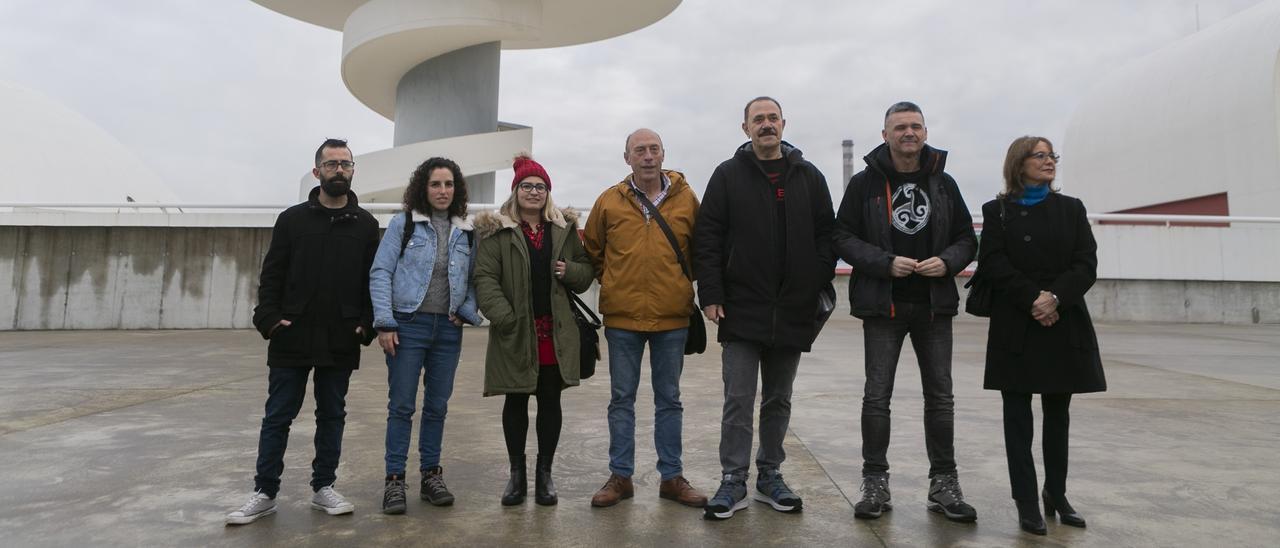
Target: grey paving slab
<point>147,438</point>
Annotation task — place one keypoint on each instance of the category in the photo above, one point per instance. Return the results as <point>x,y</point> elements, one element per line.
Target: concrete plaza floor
<point>147,438</point>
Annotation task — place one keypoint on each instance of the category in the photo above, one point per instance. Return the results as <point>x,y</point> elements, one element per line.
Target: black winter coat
<point>316,275</point>
<point>765,300</point>
<point>1048,246</point>
<point>863,235</point>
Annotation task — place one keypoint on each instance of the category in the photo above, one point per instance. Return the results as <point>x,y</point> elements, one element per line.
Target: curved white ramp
<point>385,39</point>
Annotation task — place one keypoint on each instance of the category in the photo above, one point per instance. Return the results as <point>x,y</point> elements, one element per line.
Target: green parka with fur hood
<point>503,288</point>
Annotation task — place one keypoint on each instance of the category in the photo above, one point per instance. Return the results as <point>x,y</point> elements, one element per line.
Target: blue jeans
<point>666,361</point>
<point>286,388</point>
<point>432,343</point>
<point>882,342</point>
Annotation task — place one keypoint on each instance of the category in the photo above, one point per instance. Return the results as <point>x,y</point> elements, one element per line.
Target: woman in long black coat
<point>1039,255</point>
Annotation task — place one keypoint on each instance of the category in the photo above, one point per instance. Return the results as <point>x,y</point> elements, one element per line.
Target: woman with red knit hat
<point>528,257</point>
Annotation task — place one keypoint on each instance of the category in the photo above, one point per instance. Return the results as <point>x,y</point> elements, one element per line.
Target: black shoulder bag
<point>588,335</point>
<point>978,302</point>
<point>696,341</point>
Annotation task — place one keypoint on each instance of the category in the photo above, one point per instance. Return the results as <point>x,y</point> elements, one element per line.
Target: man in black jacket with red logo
<point>904,228</point>
<point>314,306</point>
<point>762,250</point>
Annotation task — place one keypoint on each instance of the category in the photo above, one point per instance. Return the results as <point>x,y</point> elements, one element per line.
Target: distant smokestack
<point>847,145</point>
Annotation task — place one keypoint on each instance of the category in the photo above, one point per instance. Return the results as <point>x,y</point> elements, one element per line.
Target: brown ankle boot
<point>679,490</point>
<point>613,491</point>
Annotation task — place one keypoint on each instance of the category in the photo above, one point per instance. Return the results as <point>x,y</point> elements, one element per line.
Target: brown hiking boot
<point>614,490</point>
<point>679,490</point>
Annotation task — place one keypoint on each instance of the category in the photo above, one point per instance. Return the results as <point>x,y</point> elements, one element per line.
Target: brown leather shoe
<point>614,490</point>
<point>679,490</point>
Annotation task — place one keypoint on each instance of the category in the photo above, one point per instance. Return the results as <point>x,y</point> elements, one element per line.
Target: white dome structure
<point>55,155</point>
<point>1195,120</point>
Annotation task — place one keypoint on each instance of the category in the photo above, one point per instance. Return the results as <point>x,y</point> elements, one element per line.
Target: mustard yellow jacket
<point>642,287</point>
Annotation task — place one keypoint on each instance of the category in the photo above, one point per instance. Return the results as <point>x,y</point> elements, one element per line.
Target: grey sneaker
<point>771,490</point>
<point>433,488</point>
<point>731,497</point>
<point>331,502</point>
<point>945,498</point>
<point>393,495</point>
<point>875,498</point>
<point>259,505</point>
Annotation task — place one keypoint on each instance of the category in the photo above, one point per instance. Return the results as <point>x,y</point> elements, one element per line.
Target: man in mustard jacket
<point>646,296</point>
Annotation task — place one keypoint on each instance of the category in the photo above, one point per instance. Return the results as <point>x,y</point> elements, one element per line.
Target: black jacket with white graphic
<point>863,234</point>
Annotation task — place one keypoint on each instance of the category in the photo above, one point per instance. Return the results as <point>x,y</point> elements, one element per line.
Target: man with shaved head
<point>639,238</point>
<point>904,228</point>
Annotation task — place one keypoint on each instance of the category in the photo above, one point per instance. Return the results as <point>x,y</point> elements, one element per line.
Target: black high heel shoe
<point>1066,514</point>
<point>1029,517</point>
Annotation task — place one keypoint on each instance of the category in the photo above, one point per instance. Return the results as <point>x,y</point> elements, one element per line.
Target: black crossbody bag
<point>696,341</point>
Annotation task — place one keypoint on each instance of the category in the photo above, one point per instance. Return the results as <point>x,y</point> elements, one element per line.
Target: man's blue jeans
<point>666,361</point>
<point>432,343</point>
<point>286,388</point>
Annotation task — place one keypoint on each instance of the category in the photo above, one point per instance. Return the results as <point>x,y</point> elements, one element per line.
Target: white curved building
<point>1193,128</point>
<point>432,67</point>
<point>53,154</point>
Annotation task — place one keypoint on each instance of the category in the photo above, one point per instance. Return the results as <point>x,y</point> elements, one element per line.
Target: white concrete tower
<point>432,67</point>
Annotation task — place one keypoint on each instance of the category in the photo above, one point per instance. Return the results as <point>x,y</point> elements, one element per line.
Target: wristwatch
<point>1056,302</point>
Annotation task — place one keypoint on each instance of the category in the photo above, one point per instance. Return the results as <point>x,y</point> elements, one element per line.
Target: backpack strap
<point>408,231</point>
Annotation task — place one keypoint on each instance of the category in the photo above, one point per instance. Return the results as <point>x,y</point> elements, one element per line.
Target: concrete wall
<point>129,277</point>
<point>82,277</point>
<point>1173,301</point>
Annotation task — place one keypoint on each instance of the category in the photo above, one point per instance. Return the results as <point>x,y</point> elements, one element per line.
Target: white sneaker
<point>331,502</point>
<point>259,505</point>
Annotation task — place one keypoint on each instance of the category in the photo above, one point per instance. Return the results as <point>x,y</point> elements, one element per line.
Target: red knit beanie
<point>526,167</point>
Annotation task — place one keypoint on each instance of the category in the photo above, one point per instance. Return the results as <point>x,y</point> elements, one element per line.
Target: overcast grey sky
<point>227,100</point>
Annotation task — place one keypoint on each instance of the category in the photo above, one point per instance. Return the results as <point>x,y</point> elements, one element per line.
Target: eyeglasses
<point>335,164</point>
<point>533,187</point>
<point>1042,156</point>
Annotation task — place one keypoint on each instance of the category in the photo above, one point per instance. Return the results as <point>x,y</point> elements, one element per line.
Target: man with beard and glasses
<point>762,250</point>
<point>314,307</point>
<point>904,228</point>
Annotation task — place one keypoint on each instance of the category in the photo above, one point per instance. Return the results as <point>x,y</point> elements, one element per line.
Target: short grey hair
<point>903,106</point>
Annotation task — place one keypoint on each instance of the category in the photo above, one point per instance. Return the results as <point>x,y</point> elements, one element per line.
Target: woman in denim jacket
<point>421,291</point>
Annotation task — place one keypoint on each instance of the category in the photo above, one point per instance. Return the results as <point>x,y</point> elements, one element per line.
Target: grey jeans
<point>741,362</point>
<point>882,341</point>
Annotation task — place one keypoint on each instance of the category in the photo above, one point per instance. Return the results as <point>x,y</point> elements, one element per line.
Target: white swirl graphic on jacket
<point>910,209</point>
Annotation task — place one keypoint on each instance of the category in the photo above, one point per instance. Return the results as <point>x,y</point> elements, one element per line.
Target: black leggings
<point>1019,430</point>
<point>515,415</point>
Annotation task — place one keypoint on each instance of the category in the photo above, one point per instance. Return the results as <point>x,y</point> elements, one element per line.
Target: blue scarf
<point>1032,195</point>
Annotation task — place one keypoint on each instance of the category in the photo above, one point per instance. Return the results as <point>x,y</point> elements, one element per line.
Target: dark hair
<point>329,143</point>
<point>1019,150</point>
<point>903,106</point>
<point>415,195</point>
<point>747,109</point>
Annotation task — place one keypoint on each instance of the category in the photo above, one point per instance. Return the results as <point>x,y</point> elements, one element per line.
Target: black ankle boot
<point>518,485</point>
<point>544,490</point>
<point>1029,517</point>
<point>1058,503</point>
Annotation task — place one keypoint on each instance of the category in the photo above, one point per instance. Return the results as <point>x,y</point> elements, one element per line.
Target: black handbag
<point>588,336</point>
<point>826,305</point>
<point>696,340</point>
<point>978,301</point>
